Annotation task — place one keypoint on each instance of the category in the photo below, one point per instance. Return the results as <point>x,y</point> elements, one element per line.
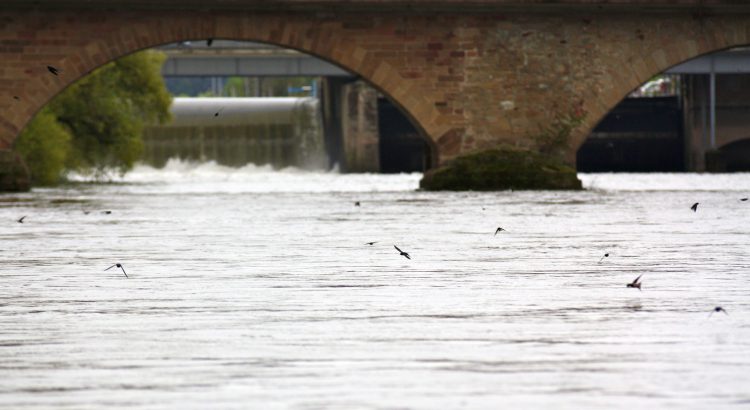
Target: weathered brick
<point>451,72</point>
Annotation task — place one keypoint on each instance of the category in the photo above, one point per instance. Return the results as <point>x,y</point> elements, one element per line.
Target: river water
<point>250,288</point>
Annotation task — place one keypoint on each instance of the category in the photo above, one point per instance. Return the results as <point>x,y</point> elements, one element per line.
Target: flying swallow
<point>117,265</point>
<point>606,255</point>
<point>216,114</point>
<point>402,253</point>
<point>21,219</point>
<point>356,203</point>
<point>695,207</point>
<point>371,243</point>
<point>498,230</point>
<point>718,309</point>
<point>53,70</point>
<point>743,199</point>
<point>635,283</point>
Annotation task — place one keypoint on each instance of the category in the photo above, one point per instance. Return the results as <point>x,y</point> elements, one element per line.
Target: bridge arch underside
<point>666,126</point>
<point>468,81</point>
<point>81,54</point>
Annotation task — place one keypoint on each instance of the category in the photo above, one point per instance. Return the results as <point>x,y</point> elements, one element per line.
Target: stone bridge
<point>469,74</point>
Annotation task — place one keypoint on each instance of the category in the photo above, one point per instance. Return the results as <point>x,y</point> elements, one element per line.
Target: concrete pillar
<point>359,126</point>
<point>696,125</point>
<point>14,176</point>
<point>330,104</point>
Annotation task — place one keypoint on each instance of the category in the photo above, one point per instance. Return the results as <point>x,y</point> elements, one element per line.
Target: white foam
<point>205,177</point>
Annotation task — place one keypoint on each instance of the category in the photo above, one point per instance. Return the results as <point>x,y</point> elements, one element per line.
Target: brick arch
<point>644,65</point>
<point>83,53</point>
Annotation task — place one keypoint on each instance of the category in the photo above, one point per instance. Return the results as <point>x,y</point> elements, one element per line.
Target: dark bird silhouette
<point>498,230</point>
<point>21,219</point>
<point>718,309</point>
<point>106,212</point>
<point>356,203</point>
<point>743,199</point>
<point>606,255</point>
<point>402,253</point>
<point>695,207</point>
<point>371,243</point>
<point>53,70</point>
<point>216,114</point>
<point>209,42</point>
<point>635,283</point>
<point>117,265</point>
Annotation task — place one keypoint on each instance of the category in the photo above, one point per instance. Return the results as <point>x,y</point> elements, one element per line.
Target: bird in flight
<point>216,114</point>
<point>718,309</point>
<point>498,230</point>
<point>372,243</point>
<point>356,203</point>
<point>117,265</point>
<point>743,199</point>
<point>635,283</point>
<point>106,212</point>
<point>402,253</point>
<point>606,255</point>
<point>21,219</point>
<point>695,207</point>
<point>53,70</point>
<point>209,42</point>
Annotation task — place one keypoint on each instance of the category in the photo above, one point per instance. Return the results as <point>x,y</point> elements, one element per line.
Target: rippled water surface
<point>255,289</point>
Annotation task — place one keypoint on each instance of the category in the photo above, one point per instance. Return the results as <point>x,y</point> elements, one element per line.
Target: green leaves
<point>103,117</point>
<point>44,145</point>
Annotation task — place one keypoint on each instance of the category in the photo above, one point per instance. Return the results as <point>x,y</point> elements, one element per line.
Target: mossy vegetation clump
<point>499,169</point>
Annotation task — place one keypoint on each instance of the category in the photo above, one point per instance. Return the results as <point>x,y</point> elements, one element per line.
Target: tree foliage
<point>44,145</point>
<point>103,114</point>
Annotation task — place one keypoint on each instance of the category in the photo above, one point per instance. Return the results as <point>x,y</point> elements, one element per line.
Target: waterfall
<point>282,132</point>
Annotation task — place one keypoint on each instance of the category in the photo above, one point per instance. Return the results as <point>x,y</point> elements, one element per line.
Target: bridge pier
<point>726,150</point>
<point>350,123</point>
<point>14,176</point>
<point>359,125</point>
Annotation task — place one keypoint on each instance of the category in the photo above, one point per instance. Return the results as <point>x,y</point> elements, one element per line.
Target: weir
<point>282,132</point>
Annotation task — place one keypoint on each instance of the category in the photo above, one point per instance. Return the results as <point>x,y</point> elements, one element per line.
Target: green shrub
<point>44,145</point>
<point>102,115</point>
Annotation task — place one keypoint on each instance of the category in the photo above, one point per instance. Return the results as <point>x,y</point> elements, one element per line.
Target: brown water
<point>254,289</point>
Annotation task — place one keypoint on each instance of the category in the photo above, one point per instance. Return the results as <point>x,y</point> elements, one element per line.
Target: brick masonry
<point>467,81</point>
